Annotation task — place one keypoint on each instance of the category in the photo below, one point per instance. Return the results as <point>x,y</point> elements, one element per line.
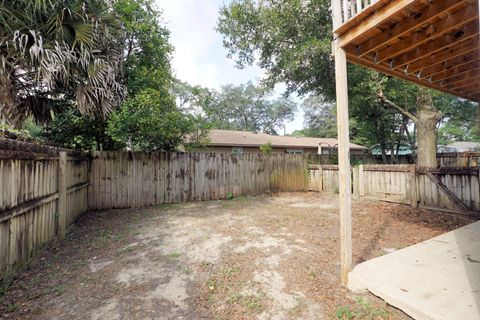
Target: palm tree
<point>53,50</point>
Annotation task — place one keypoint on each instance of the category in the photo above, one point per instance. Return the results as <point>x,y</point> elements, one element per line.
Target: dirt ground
<point>266,257</point>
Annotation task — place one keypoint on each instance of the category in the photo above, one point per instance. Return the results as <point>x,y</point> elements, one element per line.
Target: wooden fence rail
<point>448,189</point>
<point>42,194</point>
<point>129,180</point>
<point>39,198</point>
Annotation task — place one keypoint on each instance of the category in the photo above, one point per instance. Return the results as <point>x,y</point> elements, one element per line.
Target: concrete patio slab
<point>436,279</point>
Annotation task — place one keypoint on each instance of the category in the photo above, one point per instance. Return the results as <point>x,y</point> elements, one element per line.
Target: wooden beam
<point>448,64</point>
<point>454,72</point>
<point>452,22</point>
<point>471,89</point>
<point>467,83</point>
<point>345,190</point>
<point>374,20</point>
<point>447,191</point>
<point>462,77</point>
<point>402,75</point>
<point>439,57</point>
<point>474,90</point>
<point>26,206</point>
<point>450,40</point>
<point>434,10</point>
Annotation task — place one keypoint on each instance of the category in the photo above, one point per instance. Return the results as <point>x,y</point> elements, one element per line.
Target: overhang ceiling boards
<point>435,43</point>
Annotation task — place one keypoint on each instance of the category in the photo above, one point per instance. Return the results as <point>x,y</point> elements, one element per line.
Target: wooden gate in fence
<point>448,189</point>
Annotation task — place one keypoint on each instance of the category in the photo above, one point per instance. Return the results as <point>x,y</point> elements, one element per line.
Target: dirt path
<point>247,258</point>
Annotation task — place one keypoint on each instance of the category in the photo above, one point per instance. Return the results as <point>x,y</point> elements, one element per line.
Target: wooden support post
<point>361,181</point>
<point>62,194</point>
<point>345,191</point>
<point>413,187</point>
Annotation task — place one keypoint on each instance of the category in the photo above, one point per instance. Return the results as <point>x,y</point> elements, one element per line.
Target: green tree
<point>71,129</point>
<point>149,118</point>
<point>243,107</point>
<point>291,41</point>
<point>53,49</point>
<point>145,60</point>
<point>266,148</point>
<point>459,126</point>
<point>150,121</point>
<point>247,107</point>
<point>147,51</point>
<point>320,119</point>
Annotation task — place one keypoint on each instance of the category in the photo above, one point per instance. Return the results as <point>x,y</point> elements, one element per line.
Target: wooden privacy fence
<point>129,180</point>
<point>460,159</point>
<point>323,178</point>
<point>40,195</point>
<point>450,159</point>
<point>448,189</point>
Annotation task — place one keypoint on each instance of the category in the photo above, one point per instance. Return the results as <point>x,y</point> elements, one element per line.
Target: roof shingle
<point>250,139</point>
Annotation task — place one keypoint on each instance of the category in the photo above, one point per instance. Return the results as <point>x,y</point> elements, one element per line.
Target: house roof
<point>250,139</point>
<point>460,146</point>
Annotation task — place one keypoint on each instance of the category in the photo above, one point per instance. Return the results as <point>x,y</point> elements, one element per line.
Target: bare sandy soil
<point>267,257</point>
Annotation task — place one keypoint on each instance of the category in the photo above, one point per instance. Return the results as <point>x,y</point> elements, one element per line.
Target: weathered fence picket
<point>130,180</point>
<point>449,189</point>
<point>44,190</point>
<point>40,196</point>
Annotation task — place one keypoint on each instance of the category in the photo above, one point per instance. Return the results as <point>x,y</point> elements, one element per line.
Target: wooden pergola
<point>434,43</point>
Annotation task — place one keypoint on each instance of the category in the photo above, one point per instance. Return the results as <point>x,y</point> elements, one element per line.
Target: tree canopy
<point>320,118</point>
<point>291,41</point>
<point>150,121</point>
<point>53,49</point>
<point>142,63</point>
<point>243,107</point>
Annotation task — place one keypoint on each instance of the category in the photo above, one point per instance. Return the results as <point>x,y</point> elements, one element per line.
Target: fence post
<point>413,187</point>
<point>62,194</point>
<point>361,181</point>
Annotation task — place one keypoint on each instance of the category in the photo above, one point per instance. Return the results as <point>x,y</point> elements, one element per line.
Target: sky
<point>199,57</point>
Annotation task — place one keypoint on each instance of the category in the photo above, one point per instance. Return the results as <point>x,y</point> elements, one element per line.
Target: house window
<point>294,151</point>
<point>237,150</point>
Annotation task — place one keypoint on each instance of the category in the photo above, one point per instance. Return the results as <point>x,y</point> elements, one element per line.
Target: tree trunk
<point>11,112</point>
<point>427,118</point>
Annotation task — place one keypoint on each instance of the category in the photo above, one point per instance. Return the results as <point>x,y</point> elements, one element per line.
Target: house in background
<point>240,142</point>
<point>463,146</point>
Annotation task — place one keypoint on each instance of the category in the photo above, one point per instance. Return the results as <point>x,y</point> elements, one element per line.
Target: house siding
<point>228,149</point>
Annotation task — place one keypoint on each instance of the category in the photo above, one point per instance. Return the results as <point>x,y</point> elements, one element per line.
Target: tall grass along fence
<point>40,195</point>
<point>130,180</point>
<point>44,189</point>
<point>448,189</point>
